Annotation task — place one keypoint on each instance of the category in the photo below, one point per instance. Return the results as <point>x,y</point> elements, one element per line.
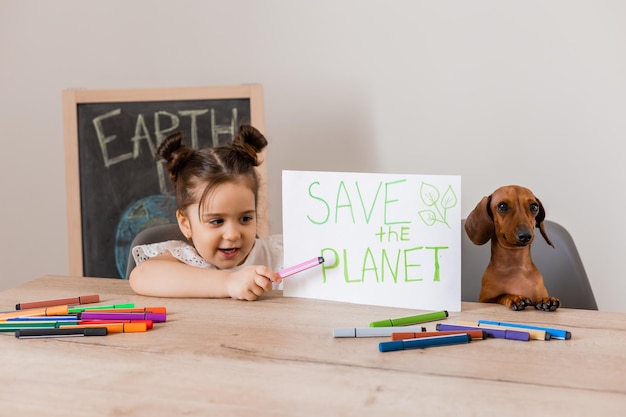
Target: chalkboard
<point>116,186</point>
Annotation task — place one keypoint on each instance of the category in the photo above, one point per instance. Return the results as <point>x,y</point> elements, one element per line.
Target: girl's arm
<point>166,276</point>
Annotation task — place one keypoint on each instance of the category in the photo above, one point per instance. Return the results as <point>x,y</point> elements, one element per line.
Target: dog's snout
<point>524,236</point>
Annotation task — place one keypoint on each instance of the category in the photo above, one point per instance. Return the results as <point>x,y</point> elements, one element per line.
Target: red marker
<point>474,334</point>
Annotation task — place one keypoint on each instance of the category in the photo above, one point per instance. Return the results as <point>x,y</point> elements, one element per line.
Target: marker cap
<point>56,310</point>
<point>391,346</point>
<point>134,327</point>
<point>344,332</point>
<point>89,299</point>
<point>329,259</point>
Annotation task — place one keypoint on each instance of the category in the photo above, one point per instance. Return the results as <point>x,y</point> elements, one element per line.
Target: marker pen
<point>83,299</point>
<point>554,333</point>
<point>43,311</point>
<point>287,272</point>
<point>533,333</point>
<point>406,321</point>
<point>11,326</point>
<point>104,307</point>
<point>160,310</point>
<point>474,334</point>
<point>148,323</point>
<point>46,333</point>
<point>495,333</point>
<point>98,315</point>
<point>111,327</point>
<point>371,331</point>
<point>64,318</point>
<point>425,342</point>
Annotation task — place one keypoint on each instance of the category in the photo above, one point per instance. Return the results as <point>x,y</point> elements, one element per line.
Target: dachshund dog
<point>508,218</point>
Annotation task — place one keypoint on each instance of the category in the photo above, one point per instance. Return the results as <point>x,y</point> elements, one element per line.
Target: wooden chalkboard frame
<point>73,98</point>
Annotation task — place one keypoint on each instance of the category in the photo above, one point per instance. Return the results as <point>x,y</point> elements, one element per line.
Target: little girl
<point>216,193</point>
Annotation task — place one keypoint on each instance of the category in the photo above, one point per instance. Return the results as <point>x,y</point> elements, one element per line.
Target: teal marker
<point>109,307</point>
<point>13,326</point>
<point>407,321</point>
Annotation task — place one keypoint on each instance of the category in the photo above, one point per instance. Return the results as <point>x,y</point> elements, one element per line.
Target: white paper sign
<point>389,240</point>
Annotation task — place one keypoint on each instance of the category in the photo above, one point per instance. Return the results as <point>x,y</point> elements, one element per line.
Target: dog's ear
<point>479,224</point>
<point>539,222</point>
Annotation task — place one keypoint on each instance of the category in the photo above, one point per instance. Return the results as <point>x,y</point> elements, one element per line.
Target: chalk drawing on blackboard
<point>144,213</point>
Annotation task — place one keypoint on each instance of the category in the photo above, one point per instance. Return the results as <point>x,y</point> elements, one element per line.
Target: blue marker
<point>424,342</point>
<point>43,318</point>
<point>554,333</point>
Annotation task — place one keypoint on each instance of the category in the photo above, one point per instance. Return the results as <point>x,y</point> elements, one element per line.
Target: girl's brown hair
<point>232,162</point>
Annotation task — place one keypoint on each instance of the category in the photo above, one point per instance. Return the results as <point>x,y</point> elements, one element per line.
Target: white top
<point>268,251</point>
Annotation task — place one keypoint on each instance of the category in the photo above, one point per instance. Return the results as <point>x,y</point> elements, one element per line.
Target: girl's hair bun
<point>249,142</point>
<point>175,153</point>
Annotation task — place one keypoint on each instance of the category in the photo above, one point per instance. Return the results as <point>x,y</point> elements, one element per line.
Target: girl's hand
<point>251,282</point>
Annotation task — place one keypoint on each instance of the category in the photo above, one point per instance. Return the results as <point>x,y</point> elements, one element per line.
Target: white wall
<point>526,92</point>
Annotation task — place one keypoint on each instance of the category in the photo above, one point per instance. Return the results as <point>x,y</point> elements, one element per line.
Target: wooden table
<point>277,357</point>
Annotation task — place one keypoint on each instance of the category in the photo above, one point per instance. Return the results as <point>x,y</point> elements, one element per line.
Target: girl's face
<point>226,230</point>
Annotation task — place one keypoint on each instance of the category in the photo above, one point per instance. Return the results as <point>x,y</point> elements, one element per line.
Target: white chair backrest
<point>562,269</point>
<point>153,234</point>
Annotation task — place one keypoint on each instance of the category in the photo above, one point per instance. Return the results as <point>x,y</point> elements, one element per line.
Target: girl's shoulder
<point>267,251</point>
<point>274,242</point>
<point>180,250</point>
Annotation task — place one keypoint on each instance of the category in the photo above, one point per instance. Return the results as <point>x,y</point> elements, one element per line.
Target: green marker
<point>407,321</point>
<point>109,307</point>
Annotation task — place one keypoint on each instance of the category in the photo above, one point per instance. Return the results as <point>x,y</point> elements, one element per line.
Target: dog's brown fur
<point>508,217</point>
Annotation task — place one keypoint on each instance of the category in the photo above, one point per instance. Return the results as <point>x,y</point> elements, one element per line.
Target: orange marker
<point>32,312</point>
<point>149,324</point>
<point>475,334</point>
<point>111,327</point>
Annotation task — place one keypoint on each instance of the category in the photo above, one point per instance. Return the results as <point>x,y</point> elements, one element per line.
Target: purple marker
<point>95,315</point>
<point>287,272</point>
<point>496,333</point>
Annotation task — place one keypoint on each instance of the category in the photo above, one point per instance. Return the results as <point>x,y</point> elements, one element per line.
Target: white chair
<point>153,234</point>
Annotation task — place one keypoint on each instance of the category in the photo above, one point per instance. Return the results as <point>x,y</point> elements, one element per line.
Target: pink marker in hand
<point>287,272</point>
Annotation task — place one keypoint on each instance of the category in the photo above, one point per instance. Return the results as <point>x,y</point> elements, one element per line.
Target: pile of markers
<point>77,316</point>
<point>407,332</point>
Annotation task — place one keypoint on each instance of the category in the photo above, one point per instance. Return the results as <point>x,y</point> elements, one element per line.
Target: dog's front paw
<point>516,302</point>
<point>547,304</point>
